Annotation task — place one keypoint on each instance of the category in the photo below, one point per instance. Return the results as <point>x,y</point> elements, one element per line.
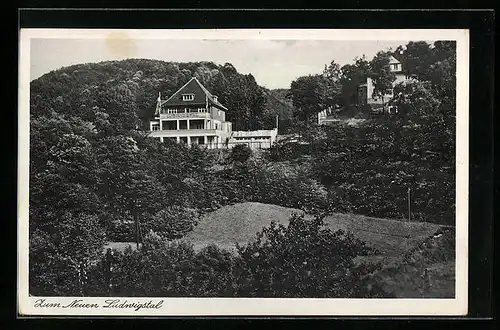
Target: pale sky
<point>273,63</point>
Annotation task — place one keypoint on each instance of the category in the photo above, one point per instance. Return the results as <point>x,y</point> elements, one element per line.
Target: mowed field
<point>417,258</point>
<point>239,223</point>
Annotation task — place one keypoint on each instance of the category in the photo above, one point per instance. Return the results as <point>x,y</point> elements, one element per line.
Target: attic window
<point>187,97</point>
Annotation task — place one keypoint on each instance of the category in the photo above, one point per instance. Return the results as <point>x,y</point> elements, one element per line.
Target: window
<point>187,97</point>
<point>172,110</point>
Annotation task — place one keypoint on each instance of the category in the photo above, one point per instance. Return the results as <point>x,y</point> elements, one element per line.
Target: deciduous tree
<point>381,75</point>
<point>309,96</point>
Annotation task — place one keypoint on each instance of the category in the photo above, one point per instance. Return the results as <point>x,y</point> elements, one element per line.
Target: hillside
<point>236,224</point>
<point>127,91</point>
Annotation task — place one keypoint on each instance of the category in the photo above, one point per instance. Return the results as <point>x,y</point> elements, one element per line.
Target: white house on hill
<point>365,91</point>
<point>192,115</point>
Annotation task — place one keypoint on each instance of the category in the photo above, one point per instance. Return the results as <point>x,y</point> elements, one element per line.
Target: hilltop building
<point>364,93</point>
<point>192,115</point>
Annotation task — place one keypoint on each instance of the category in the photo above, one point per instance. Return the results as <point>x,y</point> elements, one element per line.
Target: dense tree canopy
<point>309,96</point>
<point>369,167</point>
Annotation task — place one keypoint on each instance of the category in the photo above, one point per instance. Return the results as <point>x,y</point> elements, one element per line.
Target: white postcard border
<point>249,306</point>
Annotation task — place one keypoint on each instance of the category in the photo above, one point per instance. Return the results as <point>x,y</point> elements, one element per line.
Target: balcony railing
<point>184,115</point>
<point>185,132</point>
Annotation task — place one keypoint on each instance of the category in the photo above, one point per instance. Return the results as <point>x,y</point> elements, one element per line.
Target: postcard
<point>243,172</point>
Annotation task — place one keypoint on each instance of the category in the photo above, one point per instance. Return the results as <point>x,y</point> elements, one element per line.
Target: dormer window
<point>187,97</point>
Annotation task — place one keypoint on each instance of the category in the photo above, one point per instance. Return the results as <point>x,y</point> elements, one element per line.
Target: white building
<point>192,115</point>
<point>261,139</point>
<point>365,91</point>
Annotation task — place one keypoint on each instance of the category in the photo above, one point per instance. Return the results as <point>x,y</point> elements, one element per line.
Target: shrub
<point>60,256</point>
<point>304,259</point>
<point>173,221</point>
<point>287,150</point>
<point>157,272</point>
<point>164,269</point>
<point>121,229</point>
<point>212,273</point>
<point>286,185</point>
<point>240,153</point>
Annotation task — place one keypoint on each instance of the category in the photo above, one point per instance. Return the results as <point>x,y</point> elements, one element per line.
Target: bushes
<point>368,170</point>
<point>240,153</point>
<point>425,271</point>
<point>287,150</point>
<point>170,223</point>
<point>303,260</point>
<point>60,254</point>
<point>164,269</point>
<point>121,229</point>
<point>173,221</point>
<point>285,185</point>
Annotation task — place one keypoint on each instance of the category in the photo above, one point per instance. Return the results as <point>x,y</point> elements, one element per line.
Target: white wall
<point>369,88</point>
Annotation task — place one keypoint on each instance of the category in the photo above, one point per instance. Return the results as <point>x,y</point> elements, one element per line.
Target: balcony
<point>185,132</point>
<point>184,115</point>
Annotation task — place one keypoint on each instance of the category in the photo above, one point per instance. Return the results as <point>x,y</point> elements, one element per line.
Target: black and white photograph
<point>243,172</point>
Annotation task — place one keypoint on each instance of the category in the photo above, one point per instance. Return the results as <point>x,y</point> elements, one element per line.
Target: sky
<point>273,63</point>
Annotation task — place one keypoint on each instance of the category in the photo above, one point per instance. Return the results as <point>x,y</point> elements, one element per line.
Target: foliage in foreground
<point>427,270</point>
<point>305,259</point>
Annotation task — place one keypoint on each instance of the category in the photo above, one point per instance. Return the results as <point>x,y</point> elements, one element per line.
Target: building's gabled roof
<point>397,56</point>
<point>201,95</point>
<point>394,60</point>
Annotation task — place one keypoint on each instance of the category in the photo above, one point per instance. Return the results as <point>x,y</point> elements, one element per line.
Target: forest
<point>96,176</point>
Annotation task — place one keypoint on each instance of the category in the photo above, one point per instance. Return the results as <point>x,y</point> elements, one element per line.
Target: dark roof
<point>397,56</point>
<point>201,95</point>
